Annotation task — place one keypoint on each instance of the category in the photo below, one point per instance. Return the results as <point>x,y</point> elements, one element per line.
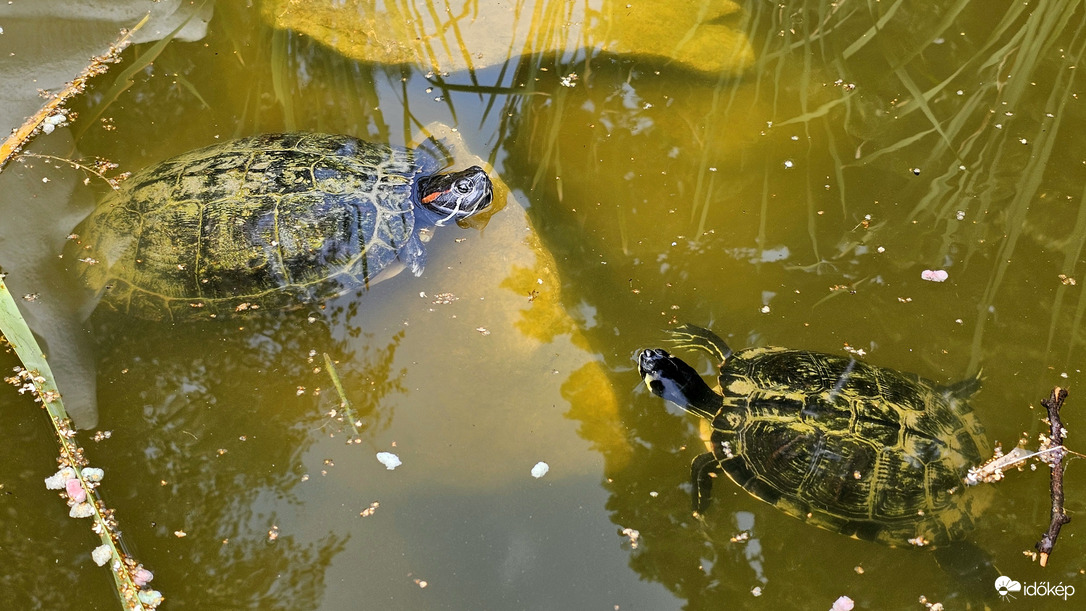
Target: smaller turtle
<point>861,450</point>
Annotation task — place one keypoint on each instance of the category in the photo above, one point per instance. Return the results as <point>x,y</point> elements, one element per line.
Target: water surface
<point>792,195</point>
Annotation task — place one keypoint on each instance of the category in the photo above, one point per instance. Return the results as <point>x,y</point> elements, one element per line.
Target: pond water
<point>784,173</point>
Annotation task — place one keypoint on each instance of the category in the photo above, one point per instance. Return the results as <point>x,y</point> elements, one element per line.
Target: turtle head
<point>672,379</point>
<point>455,195</point>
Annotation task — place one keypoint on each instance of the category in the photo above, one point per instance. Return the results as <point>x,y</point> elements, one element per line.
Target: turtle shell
<point>862,450</point>
<point>269,221</point>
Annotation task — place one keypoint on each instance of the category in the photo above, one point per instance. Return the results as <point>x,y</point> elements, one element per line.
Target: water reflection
<point>706,35</point>
<point>214,467</point>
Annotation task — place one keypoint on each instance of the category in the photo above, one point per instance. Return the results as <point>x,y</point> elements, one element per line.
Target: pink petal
<point>75,490</point>
<point>937,275</point>
<point>141,576</point>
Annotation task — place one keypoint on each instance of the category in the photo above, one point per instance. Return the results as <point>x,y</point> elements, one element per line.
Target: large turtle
<point>862,450</point>
<point>267,221</point>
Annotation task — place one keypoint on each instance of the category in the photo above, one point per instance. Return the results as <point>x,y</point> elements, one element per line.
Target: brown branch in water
<point>54,106</point>
<point>1053,404</point>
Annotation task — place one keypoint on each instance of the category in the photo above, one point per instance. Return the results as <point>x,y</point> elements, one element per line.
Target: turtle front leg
<point>703,470</point>
<point>696,338</point>
<point>445,142</point>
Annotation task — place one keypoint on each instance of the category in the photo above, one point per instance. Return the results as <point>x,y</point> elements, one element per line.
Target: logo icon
<point>1005,586</point>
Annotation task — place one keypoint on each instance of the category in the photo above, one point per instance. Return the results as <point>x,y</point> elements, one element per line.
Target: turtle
<point>268,221</point>
<point>866,451</point>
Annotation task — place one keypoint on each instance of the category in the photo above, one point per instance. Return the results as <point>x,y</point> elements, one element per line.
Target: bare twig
<point>114,183</point>
<point>1055,461</point>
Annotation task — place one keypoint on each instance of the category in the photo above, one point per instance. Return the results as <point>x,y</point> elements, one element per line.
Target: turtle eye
<point>463,185</point>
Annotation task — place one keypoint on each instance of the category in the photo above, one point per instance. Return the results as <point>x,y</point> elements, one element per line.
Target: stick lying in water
<point>1055,462</point>
<point>1052,453</point>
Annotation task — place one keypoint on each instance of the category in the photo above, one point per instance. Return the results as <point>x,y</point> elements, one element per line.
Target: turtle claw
<point>703,470</point>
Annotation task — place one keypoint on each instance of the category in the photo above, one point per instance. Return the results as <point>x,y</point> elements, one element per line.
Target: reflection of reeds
<point>961,101</point>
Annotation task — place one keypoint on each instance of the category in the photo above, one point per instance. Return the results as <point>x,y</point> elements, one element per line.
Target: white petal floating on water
<point>540,469</point>
<point>843,604</point>
<point>93,474</point>
<point>81,510</point>
<point>150,598</point>
<point>389,460</point>
<point>58,479</point>
<point>101,555</point>
<point>938,275</point>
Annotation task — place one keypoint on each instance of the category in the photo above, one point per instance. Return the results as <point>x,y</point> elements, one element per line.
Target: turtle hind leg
<point>966,388</point>
<point>970,565</point>
<point>703,470</point>
<point>698,338</point>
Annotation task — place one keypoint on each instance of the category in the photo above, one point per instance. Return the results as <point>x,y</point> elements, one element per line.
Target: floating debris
<point>59,480</point>
<point>857,351</point>
<point>75,490</point>
<point>142,576</point>
<point>937,275</point>
<point>151,598</point>
<point>81,510</point>
<point>101,555</point>
<point>389,460</point>
<point>540,469</point>
<point>57,118</point>
<point>633,535</point>
<point>992,471</point>
<point>843,603</point>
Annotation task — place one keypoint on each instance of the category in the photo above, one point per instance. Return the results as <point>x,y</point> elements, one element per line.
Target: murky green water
<point>795,204</point>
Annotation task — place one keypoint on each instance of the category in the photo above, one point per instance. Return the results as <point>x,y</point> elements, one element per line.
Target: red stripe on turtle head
<point>432,196</point>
